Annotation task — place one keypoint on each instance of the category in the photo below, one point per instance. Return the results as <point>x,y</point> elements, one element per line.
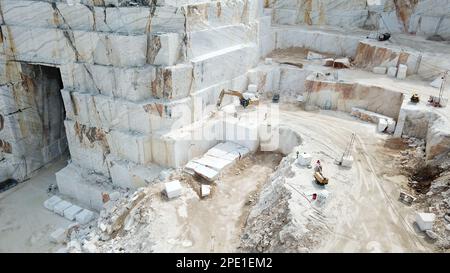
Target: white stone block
<point>206,190</point>
<point>173,189</point>
<point>58,236</point>
<point>401,72</point>
<point>347,161</point>
<point>304,159</point>
<point>71,212</point>
<point>85,216</point>
<point>314,56</point>
<point>52,202</point>
<point>205,172</point>
<point>61,207</point>
<point>322,196</point>
<point>252,88</point>
<point>391,126</point>
<point>268,61</point>
<point>379,70</point>
<point>392,71</point>
<point>382,125</point>
<point>425,220</point>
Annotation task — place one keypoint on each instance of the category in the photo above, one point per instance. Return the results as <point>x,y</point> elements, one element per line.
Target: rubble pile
<point>275,224</point>
<point>431,186</point>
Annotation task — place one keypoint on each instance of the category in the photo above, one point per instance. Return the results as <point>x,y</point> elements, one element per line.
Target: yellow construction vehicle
<point>243,101</point>
<point>415,98</point>
<point>320,179</point>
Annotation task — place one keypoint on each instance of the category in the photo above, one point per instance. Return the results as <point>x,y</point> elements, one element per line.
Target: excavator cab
<point>415,98</point>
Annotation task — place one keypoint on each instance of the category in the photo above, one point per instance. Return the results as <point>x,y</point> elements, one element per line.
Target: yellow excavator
<point>242,100</point>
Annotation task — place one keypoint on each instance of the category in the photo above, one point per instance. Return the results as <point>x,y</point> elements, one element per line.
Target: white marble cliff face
<point>423,17</point>
<point>131,74</point>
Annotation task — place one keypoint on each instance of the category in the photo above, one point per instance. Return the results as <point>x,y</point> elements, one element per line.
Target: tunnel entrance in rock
<point>43,85</point>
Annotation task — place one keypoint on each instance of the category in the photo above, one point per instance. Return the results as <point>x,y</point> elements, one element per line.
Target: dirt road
<point>25,224</point>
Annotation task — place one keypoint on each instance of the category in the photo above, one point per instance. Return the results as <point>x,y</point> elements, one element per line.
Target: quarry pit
<point>201,126</point>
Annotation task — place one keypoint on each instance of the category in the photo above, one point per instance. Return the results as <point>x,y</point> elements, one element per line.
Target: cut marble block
<point>265,77</point>
<point>252,88</point>
<point>206,190</point>
<point>379,70</point>
<point>173,189</point>
<point>168,50</point>
<point>84,217</point>
<point>87,188</point>
<point>58,236</point>
<point>383,122</point>
<point>347,161</point>
<point>222,65</point>
<point>304,159</point>
<point>382,125</point>
<point>205,172</point>
<point>333,42</point>
<point>215,163</point>
<point>111,49</point>
<point>87,146</point>
<point>130,175</point>
<point>217,159</point>
<point>401,72</point>
<point>130,146</point>
<point>425,221</point>
<point>212,40</point>
<point>37,45</point>
<point>61,207</point>
<point>71,212</point>
<point>52,202</point>
<point>131,83</point>
<point>392,71</point>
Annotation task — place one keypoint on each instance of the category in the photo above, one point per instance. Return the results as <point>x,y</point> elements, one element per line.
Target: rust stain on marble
<point>5,146</point>
<point>404,10</point>
<point>307,11</point>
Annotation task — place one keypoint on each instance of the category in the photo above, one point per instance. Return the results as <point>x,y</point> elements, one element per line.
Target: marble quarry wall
<point>133,77</point>
<point>343,96</point>
<point>422,17</point>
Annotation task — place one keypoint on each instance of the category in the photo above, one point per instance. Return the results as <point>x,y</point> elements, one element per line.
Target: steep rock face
<point>421,17</point>
<point>424,123</point>
<point>343,96</point>
<point>130,74</point>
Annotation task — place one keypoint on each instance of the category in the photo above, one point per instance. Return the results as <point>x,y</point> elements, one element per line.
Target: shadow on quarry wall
<point>34,132</point>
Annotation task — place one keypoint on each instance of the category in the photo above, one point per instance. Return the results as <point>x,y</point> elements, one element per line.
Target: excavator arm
<point>243,101</point>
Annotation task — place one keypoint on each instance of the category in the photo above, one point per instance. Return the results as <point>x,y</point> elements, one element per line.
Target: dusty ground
<point>226,211</point>
<point>189,223</point>
<point>25,224</point>
<point>369,217</point>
